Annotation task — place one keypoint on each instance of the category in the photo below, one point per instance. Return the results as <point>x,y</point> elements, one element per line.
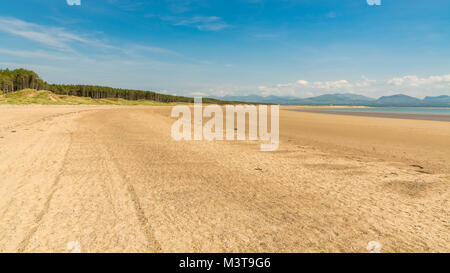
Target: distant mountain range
<point>347,99</point>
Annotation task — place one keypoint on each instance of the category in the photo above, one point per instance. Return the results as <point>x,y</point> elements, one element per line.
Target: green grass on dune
<point>31,96</point>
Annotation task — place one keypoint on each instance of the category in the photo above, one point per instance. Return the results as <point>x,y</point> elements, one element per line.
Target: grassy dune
<point>31,96</point>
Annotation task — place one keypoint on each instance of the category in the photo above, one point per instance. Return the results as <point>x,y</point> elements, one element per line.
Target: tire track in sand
<point>152,243</point>
<point>146,227</point>
<point>43,119</point>
<point>26,240</point>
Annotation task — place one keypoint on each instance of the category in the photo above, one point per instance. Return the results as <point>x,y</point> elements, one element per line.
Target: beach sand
<point>112,179</point>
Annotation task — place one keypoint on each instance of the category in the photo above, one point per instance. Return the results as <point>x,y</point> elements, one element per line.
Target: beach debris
<point>258,169</point>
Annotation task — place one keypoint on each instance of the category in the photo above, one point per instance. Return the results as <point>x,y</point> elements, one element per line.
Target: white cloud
<point>34,54</point>
<point>64,40</point>
<point>155,50</point>
<point>365,82</point>
<point>415,81</point>
<point>304,88</point>
<point>50,36</point>
<point>408,85</point>
<point>208,23</point>
<point>198,94</point>
<point>74,2</point>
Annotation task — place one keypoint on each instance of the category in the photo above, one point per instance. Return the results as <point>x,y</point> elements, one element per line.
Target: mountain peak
<point>399,100</point>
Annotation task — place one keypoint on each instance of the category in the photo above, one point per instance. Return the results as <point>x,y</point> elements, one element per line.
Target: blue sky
<point>235,47</point>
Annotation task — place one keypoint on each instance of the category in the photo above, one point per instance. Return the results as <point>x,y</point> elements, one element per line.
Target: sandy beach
<point>111,179</point>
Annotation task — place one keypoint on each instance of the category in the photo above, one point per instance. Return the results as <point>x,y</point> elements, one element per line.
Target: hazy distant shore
<point>436,117</point>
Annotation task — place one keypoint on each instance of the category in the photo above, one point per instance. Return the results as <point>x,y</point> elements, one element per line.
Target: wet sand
<point>113,180</point>
<point>436,117</point>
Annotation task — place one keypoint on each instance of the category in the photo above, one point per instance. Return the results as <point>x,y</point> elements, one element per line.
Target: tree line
<point>104,92</point>
<point>18,79</point>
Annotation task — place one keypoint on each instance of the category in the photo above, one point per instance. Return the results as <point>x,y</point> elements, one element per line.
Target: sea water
<point>403,110</point>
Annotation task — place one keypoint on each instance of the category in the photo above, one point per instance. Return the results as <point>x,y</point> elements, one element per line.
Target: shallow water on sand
<point>419,113</point>
<point>408,110</point>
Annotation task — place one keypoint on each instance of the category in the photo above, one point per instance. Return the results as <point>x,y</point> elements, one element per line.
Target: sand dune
<point>111,179</point>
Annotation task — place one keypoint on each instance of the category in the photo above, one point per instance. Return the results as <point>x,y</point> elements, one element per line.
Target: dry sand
<point>112,179</point>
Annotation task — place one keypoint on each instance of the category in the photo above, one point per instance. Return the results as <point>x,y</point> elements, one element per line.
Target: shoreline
<point>432,117</point>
